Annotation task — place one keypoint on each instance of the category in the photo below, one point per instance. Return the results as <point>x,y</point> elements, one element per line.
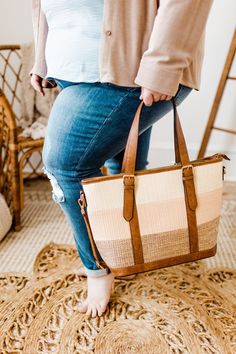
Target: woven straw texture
<point>183,309</point>
<point>161,212</point>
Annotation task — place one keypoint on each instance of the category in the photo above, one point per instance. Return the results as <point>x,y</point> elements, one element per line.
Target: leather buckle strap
<point>128,208</point>
<point>189,174</point>
<point>131,215</point>
<point>191,205</point>
<point>188,179</point>
<point>128,180</point>
<point>187,167</point>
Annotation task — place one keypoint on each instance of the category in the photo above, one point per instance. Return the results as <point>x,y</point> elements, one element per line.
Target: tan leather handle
<point>181,152</point>
<point>128,168</point>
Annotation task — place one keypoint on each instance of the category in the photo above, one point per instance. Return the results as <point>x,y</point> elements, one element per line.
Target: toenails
<point>98,295</point>
<point>94,311</point>
<point>88,312</point>
<point>83,307</point>
<point>102,310</point>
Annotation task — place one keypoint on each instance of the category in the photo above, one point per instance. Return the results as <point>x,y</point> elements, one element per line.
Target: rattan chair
<point>16,163</point>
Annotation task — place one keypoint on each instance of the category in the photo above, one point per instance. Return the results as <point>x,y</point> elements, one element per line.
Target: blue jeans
<point>89,125</point>
<point>114,163</point>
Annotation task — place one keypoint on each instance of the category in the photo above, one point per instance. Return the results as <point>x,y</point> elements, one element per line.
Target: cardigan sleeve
<point>177,30</point>
<point>40,28</point>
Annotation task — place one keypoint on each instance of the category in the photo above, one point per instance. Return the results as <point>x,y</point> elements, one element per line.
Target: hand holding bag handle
<point>181,153</point>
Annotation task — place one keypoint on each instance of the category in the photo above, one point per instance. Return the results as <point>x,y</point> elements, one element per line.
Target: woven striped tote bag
<point>149,219</point>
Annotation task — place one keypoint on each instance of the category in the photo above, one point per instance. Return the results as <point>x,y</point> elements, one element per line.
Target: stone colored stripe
<point>176,243</point>
<point>156,217</point>
<point>163,186</point>
<point>208,234</point>
<point>118,253</point>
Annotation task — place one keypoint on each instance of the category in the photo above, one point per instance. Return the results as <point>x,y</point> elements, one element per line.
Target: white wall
<point>15,20</point>
<point>195,110</point>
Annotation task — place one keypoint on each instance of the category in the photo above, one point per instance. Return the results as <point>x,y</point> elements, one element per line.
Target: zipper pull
<point>223,172</point>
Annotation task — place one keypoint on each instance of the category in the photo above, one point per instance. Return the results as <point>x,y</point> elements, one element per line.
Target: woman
<point>106,57</point>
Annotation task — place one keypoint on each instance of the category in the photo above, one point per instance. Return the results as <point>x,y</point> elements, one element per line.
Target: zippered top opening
<point>202,161</point>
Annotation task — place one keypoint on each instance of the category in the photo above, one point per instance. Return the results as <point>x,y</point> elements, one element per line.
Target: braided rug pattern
<point>183,309</point>
<point>186,309</point>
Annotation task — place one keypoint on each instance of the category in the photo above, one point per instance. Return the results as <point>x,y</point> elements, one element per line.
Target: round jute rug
<point>182,309</point>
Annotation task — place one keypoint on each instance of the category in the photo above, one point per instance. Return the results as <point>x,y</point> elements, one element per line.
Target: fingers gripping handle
<point>181,152</point>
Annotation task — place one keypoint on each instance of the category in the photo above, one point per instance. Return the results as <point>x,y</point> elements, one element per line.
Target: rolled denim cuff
<point>95,273</point>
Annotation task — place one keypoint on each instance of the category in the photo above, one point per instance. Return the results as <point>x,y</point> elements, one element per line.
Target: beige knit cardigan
<point>149,43</point>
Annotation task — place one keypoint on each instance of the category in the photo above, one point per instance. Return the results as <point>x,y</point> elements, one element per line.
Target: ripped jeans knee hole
<point>57,192</point>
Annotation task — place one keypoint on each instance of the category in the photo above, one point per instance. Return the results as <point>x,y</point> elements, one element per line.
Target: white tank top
<point>73,42</point>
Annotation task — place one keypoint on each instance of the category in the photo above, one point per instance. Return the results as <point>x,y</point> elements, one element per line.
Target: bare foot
<point>99,292</point>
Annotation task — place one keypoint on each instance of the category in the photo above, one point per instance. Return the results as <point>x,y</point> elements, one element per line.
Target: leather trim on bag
<point>136,237</point>
<point>191,205</point>
<point>145,267</point>
<point>210,159</point>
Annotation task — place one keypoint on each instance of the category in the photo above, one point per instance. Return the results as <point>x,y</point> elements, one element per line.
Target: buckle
<point>128,180</point>
<point>187,167</point>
